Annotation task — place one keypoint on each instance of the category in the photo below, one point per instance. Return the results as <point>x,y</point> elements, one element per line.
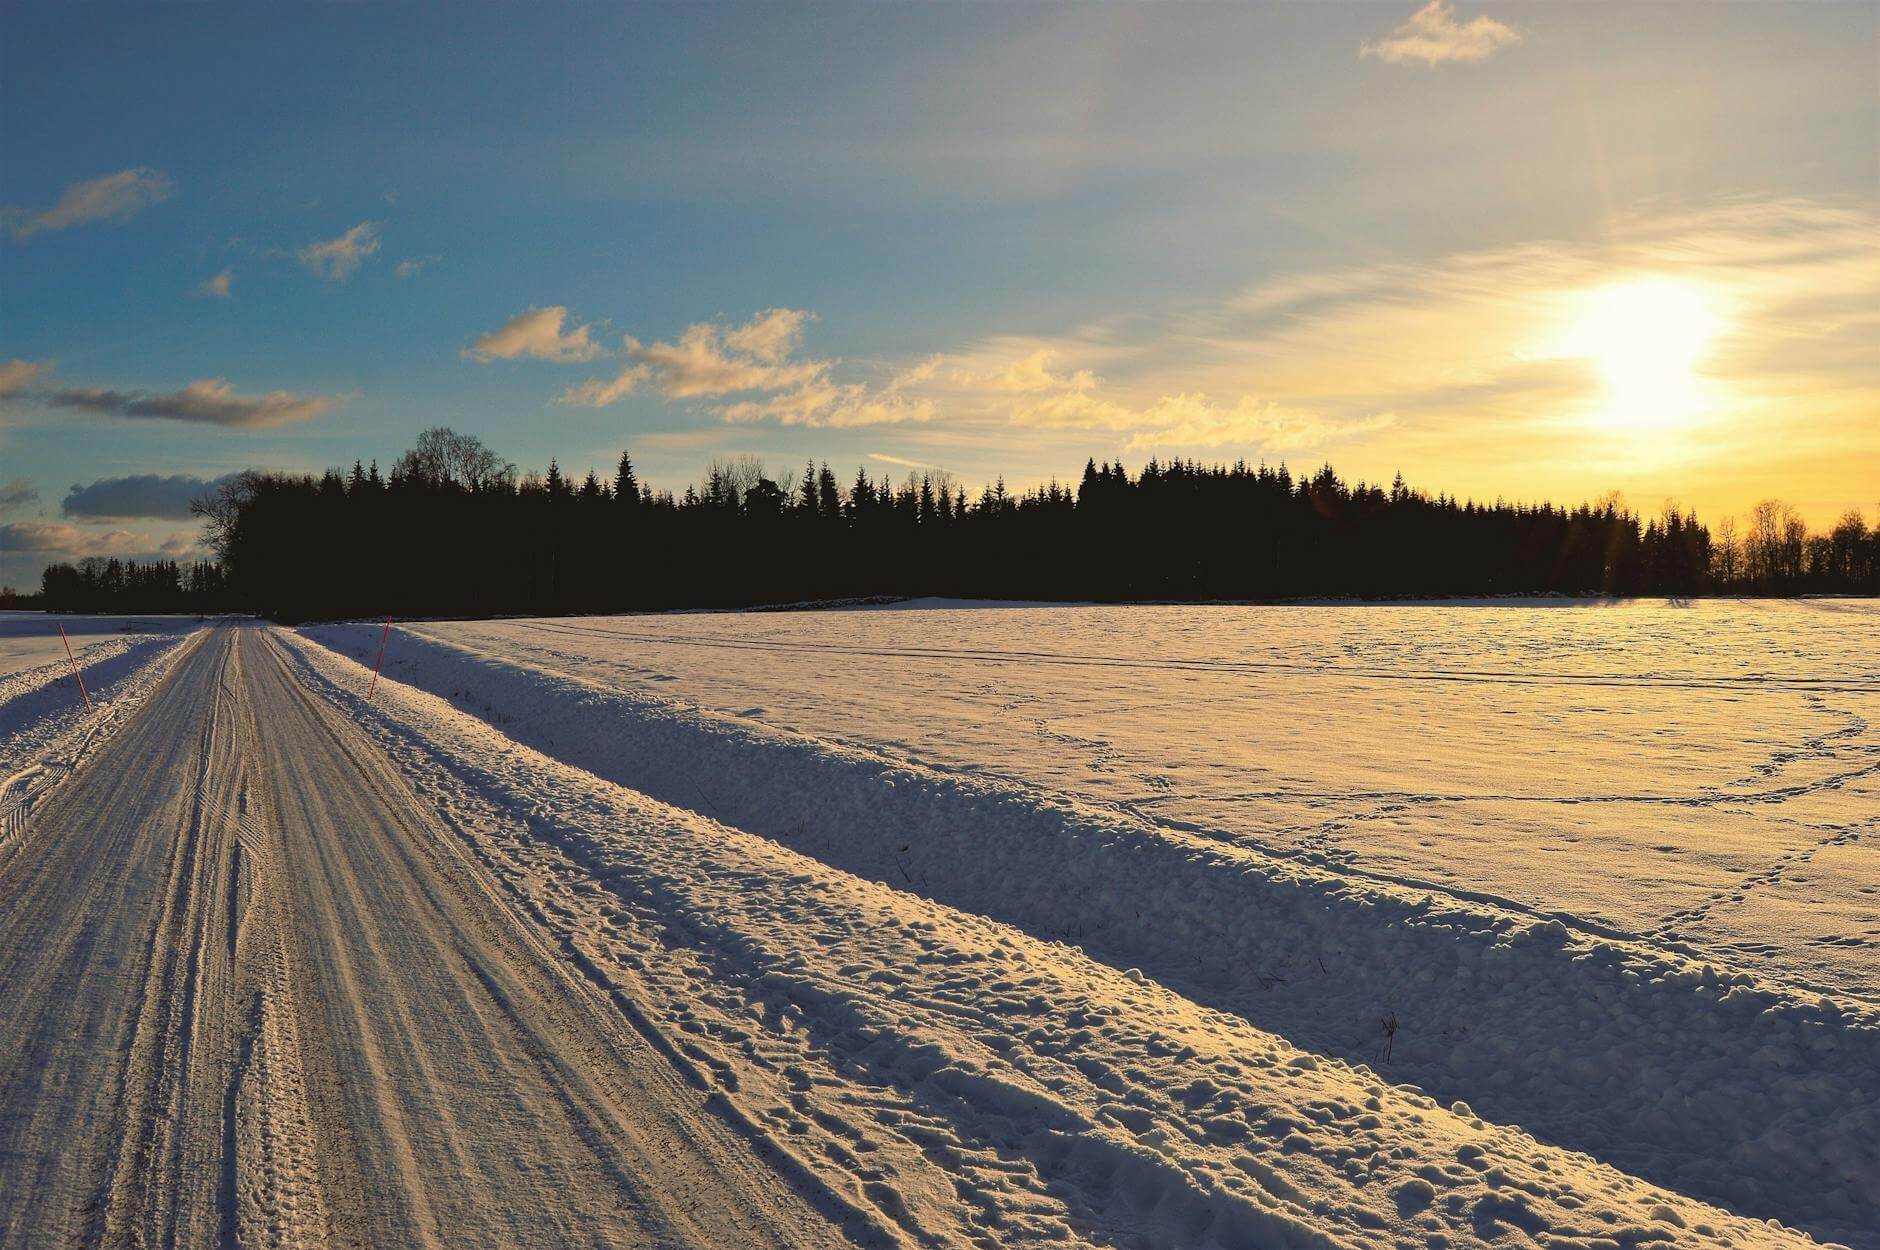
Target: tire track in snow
<point>240,981</point>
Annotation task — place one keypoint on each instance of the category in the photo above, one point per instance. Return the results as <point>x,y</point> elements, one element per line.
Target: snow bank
<point>1693,1077</point>
<point>961,1082</point>
<point>45,730</point>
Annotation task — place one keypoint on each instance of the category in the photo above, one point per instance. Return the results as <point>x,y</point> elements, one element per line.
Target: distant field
<point>1697,774</point>
<point>30,639</point>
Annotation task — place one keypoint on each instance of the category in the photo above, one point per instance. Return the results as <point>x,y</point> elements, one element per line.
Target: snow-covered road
<point>256,995</point>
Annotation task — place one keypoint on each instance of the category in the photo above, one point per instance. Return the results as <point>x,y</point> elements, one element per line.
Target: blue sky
<point>994,239</point>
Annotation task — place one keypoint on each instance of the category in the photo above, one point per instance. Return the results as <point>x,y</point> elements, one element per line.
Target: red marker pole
<point>74,663</point>
<point>387,633</point>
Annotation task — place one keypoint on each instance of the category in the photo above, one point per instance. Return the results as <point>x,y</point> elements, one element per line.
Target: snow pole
<point>386,633</point>
<point>83,693</point>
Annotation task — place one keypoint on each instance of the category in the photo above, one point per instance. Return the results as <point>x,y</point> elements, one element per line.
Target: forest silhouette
<point>453,530</point>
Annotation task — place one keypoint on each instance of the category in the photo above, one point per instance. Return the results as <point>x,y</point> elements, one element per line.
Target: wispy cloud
<point>825,404</point>
<point>1454,360</point>
<point>339,259</point>
<point>18,376</point>
<point>159,496</point>
<point>55,538</point>
<point>902,461</point>
<point>596,393</point>
<point>769,336</point>
<point>536,334</point>
<point>17,494</point>
<point>412,266</point>
<point>1432,35</point>
<point>712,358</point>
<point>209,401</point>
<point>222,286</point>
<point>115,197</point>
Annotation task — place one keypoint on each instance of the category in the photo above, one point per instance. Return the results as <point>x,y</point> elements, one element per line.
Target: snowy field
<point>30,640</point>
<point>44,728</point>
<point>1695,775</point>
<point>1601,874</point>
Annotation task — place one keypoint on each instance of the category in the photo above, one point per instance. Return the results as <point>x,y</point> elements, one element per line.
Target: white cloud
<point>115,197</point>
<point>16,376</point>
<point>1432,35</point>
<point>711,358</point>
<point>825,404</point>
<point>412,266</point>
<point>219,287</point>
<point>538,335</point>
<point>210,401</point>
<point>55,538</point>
<point>595,393</point>
<point>905,463</point>
<point>769,336</point>
<point>338,259</point>
<point>707,361</point>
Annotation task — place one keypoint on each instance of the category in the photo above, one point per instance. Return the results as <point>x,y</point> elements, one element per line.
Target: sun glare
<point>1647,338</point>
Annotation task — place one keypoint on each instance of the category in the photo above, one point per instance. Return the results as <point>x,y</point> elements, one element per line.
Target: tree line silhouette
<point>453,529</point>
<point>98,584</point>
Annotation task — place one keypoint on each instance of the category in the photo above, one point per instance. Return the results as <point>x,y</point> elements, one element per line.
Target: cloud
<point>824,404</point>
<point>220,287</point>
<point>905,463</point>
<point>712,358</point>
<point>115,197</point>
<point>1182,421</point>
<point>17,494</point>
<point>338,259</point>
<point>210,401</point>
<point>595,393</point>
<point>708,361</point>
<point>536,334</point>
<point>16,376</point>
<point>1432,35</point>
<point>769,336</point>
<point>140,495</point>
<point>55,538</point>
<point>412,266</point>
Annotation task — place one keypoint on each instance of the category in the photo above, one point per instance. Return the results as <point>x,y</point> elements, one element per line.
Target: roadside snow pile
<point>952,1079</point>
<point>1693,1077</point>
<point>44,728</point>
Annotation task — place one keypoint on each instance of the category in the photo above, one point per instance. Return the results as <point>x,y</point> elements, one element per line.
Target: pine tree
<point>626,486</point>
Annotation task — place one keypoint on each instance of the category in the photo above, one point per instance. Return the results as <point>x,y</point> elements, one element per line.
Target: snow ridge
<point>1739,1092</point>
<point>45,730</point>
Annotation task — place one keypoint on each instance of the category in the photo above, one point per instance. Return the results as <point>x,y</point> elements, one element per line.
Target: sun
<point>1648,338</point>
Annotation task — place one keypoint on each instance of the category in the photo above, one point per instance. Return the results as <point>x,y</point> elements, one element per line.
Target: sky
<point>1516,251</point>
